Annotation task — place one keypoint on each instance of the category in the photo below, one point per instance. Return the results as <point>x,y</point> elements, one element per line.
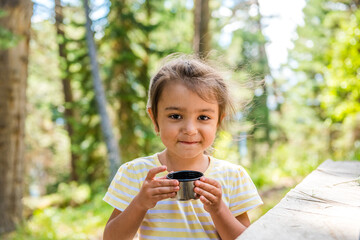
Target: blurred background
<point>295,66</point>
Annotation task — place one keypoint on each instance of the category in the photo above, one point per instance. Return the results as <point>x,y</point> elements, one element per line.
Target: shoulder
<point>222,169</point>
<point>224,165</point>
<point>136,170</point>
<point>138,167</point>
<point>141,163</point>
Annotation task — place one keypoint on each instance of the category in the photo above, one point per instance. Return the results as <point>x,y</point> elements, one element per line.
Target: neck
<point>175,163</point>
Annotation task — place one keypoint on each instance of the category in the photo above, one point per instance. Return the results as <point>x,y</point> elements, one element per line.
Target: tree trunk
<point>259,112</point>
<point>266,72</point>
<point>13,77</point>
<point>124,68</point>
<point>201,44</point>
<point>68,96</point>
<point>106,126</point>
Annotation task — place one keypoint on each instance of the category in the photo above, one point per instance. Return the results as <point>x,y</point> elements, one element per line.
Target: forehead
<point>177,95</point>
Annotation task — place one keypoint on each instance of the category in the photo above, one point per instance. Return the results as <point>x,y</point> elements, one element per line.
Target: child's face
<point>187,123</point>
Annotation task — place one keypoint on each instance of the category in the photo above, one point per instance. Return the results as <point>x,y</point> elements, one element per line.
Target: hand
<point>210,194</point>
<point>156,189</point>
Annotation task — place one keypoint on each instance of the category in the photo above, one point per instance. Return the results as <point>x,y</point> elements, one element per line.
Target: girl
<point>187,102</point>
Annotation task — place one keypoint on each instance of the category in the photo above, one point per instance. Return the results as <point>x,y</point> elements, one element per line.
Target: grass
<point>86,221</point>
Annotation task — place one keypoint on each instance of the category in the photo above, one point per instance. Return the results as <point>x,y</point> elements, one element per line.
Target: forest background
<point>285,126</point>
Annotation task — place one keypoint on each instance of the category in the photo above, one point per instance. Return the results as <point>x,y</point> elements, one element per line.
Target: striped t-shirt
<point>172,219</point>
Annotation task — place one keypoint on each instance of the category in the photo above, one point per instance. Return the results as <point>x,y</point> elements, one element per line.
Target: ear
<point>221,118</point>
<point>153,119</point>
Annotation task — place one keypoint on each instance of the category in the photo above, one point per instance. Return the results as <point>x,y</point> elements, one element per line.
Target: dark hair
<point>197,75</point>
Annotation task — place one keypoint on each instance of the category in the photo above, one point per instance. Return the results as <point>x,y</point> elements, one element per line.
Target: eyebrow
<point>182,109</point>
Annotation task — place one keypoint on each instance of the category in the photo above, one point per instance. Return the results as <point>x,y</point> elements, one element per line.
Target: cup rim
<point>169,176</point>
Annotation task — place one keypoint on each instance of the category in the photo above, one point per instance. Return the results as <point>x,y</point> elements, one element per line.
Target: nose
<point>190,128</point>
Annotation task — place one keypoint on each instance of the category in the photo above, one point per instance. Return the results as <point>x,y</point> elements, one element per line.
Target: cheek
<point>211,132</point>
<point>167,130</point>
<point>168,136</point>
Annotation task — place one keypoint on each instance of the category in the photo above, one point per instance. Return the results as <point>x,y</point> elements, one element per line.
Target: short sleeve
<point>244,195</point>
<point>123,188</point>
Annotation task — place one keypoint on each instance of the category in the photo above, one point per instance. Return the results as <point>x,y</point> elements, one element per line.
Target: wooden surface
<point>325,205</point>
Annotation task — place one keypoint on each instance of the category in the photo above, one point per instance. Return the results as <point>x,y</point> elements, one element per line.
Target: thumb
<point>165,177</point>
<point>152,172</point>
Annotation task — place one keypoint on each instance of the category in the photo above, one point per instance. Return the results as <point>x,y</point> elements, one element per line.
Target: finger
<point>210,181</point>
<point>176,182</point>
<point>163,182</point>
<point>209,196</point>
<point>209,188</point>
<point>165,177</point>
<point>152,172</point>
<point>164,190</point>
<point>205,201</point>
<point>165,196</point>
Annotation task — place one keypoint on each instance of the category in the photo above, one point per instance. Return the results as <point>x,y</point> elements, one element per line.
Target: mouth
<point>189,142</point>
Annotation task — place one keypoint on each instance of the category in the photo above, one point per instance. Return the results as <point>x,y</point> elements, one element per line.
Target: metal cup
<point>186,182</point>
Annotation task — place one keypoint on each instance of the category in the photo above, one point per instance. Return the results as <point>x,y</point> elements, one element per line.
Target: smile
<point>188,142</point>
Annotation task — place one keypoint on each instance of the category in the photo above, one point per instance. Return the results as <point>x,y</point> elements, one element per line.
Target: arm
<point>226,224</point>
<point>126,223</point>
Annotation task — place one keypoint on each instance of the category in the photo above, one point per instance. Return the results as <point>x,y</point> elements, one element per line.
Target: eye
<point>203,118</point>
<point>175,116</point>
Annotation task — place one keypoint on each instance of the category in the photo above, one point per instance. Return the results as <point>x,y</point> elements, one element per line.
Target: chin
<point>190,155</point>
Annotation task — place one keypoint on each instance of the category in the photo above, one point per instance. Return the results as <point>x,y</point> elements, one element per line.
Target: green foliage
<point>86,221</point>
<point>327,51</point>
<point>245,53</point>
<point>67,195</point>
<point>47,144</point>
<point>126,89</point>
<point>341,96</point>
<point>87,144</point>
<point>282,161</point>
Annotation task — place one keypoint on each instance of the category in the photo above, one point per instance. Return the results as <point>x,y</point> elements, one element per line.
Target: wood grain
<point>325,205</point>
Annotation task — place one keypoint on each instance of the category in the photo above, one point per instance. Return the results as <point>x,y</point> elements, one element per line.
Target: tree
<point>106,126</point>
<point>13,77</point>
<point>87,140</point>
<point>248,57</point>
<point>201,42</point>
<point>65,79</point>
<point>259,113</point>
<point>122,77</point>
<point>326,53</point>
<point>340,98</point>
